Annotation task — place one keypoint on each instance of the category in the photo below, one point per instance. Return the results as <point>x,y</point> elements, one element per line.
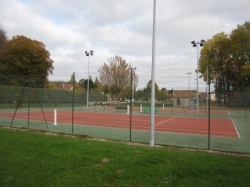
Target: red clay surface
<point>183,125</point>
<point>172,110</point>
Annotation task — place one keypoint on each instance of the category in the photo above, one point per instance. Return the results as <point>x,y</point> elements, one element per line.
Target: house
<point>212,96</point>
<point>65,86</point>
<point>183,97</point>
<point>203,96</point>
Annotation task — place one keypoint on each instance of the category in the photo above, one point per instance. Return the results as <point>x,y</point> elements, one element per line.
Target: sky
<point>68,28</point>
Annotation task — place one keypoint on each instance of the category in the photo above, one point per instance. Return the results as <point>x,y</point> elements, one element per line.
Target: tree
<point>26,59</point>
<point>116,74</point>
<point>240,54</point>
<point>84,84</point>
<point>98,85</point>
<point>163,94</point>
<point>3,38</point>
<point>72,79</point>
<point>157,91</point>
<point>150,84</point>
<point>228,59</point>
<point>52,85</point>
<point>216,54</point>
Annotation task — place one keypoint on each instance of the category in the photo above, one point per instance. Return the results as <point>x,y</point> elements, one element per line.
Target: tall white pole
<point>196,44</point>
<point>152,115</point>
<point>197,88</point>
<point>88,87</point>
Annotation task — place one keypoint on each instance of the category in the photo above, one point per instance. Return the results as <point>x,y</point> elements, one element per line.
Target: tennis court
<point>181,125</point>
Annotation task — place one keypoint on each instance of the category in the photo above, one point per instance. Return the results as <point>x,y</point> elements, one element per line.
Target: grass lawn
<point>32,159</point>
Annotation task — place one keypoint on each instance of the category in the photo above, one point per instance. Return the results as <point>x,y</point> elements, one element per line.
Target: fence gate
<point>191,104</point>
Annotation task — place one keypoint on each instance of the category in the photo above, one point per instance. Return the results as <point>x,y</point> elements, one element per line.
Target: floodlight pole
<point>189,80</point>
<point>88,54</point>
<point>152,112</point>
<point>197,84</point>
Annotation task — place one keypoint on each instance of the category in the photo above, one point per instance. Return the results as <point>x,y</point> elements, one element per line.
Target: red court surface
<point>201,111</point>
<point>173,110</point>
<point>181,125</point>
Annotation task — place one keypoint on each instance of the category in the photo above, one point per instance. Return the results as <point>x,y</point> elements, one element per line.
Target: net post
<point>127,109</point>
<point>141,108</point>
<point>55,117</point>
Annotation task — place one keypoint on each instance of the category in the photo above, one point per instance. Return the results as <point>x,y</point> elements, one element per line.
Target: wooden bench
<point>145,109</point>
<point>121,107</point>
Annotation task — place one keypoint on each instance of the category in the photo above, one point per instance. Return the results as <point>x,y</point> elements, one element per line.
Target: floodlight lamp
<point>193,42</point>
<point>201,44</point>
<point>194,45</point>
<point>202,41</point>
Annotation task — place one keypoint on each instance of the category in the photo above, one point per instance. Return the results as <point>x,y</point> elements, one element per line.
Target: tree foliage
<point>25,57</point>
<point>145,93</point>
<point>98,85</point>
<point>116,74</point>
<point>240,53</point>
<point>3,38</point>
<point>85,84</point>
<point>228,59</point>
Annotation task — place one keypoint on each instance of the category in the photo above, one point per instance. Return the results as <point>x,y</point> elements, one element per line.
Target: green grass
<point>31,159</point>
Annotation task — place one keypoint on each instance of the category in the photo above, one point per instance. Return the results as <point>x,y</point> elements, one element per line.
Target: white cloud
<point>68,28</point>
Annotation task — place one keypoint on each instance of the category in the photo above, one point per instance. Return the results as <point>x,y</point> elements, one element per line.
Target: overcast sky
<point>68,28</point>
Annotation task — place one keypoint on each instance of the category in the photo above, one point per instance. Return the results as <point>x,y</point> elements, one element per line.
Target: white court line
<point>164,121</point>
<point>236,129</point>
<point>228,113</point>
<point>193,130</point>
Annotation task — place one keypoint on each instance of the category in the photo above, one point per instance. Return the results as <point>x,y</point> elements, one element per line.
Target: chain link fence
<point>35,93</point>
<point>24,91</point>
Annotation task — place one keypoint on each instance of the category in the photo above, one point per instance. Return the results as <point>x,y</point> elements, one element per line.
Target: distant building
<point>67,87</point>
<point>203,96</point>
<point>182,97</point>
<point>212,96</point>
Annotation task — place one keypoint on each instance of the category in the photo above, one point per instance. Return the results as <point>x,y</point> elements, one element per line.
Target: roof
<point>67,87</point>
<point>183,94</point>
<point>203,95</point>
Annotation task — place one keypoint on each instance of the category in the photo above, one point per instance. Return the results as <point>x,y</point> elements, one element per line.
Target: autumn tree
<point>216,54</point>
<point>228,59</point>
<point>240,54</point>
<point>98,85</point>
<point>26,59</point>
<point>3,37</point>
<point>52,85</point>
<point>116,74</point>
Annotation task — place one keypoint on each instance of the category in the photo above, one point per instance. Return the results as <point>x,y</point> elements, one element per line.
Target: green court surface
<point>219,143</point>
